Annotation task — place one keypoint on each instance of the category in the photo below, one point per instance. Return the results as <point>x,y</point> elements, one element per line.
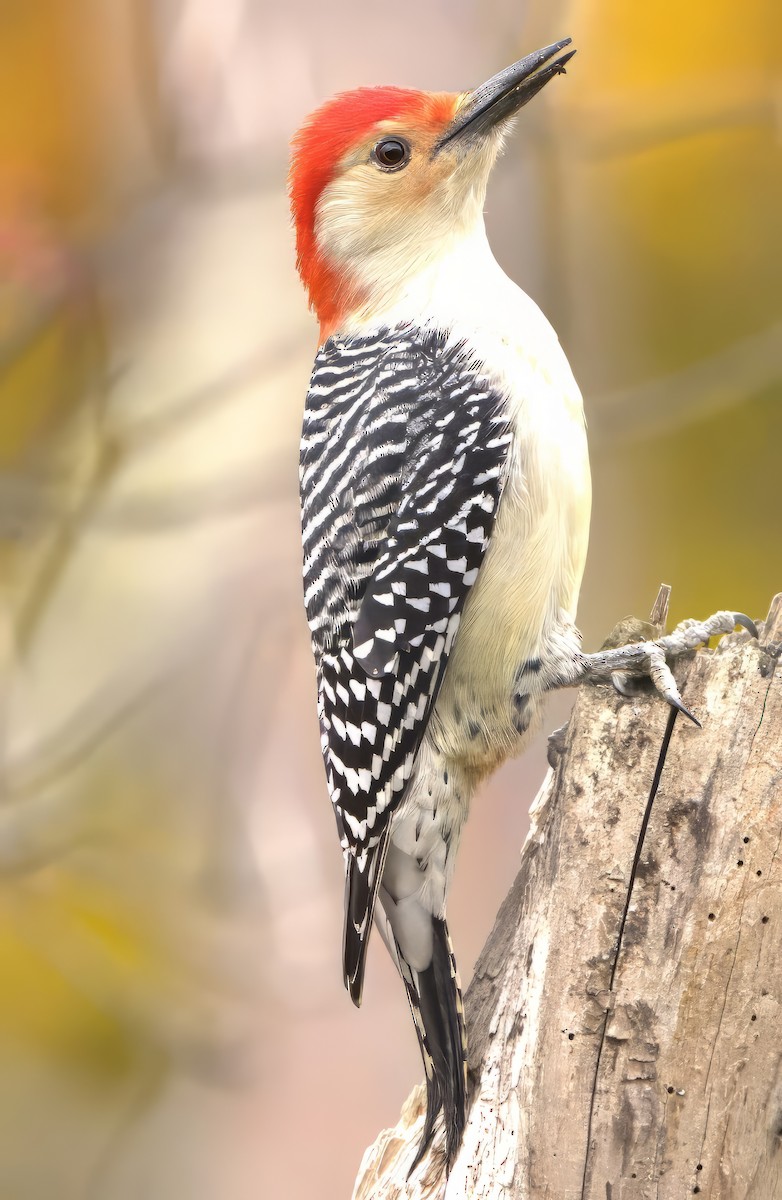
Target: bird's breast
<point>519,619</point>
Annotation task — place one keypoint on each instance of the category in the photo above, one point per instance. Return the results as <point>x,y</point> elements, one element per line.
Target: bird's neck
<point>440,291</point>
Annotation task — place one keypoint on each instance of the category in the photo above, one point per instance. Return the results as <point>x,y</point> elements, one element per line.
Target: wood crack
<point>725,997</point>
<point>672,715</point>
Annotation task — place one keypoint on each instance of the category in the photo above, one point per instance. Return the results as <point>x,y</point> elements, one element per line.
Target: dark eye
<point>392,153</point>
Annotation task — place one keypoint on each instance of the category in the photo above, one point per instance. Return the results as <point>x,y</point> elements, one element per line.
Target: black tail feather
<point>436,1004</point>
<point>360,895</point>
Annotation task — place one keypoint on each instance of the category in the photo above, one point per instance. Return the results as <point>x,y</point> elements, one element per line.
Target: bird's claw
<point>746,623</point>
<point>690,634</point>
<point>650,658</point>
<point>661,676</point>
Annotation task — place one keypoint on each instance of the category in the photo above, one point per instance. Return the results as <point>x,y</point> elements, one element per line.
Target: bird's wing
<point>379,681</point>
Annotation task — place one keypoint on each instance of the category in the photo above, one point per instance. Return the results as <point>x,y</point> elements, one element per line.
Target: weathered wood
<point>626,1012</point>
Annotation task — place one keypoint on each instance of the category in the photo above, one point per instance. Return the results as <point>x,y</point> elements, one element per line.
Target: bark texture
<point>625,1017</point>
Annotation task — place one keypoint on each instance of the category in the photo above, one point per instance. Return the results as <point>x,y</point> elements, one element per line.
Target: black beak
<point>504,94</point>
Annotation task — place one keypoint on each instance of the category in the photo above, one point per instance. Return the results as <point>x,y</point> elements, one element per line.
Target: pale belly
<point>519,620</point>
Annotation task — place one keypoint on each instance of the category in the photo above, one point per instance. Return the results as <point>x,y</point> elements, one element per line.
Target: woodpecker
<point>445,493</point>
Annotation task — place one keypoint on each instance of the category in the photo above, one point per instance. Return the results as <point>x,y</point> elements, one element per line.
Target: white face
<point>393,206</point>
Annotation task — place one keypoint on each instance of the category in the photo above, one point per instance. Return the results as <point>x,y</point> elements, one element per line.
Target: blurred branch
<point>27,497</point>
<point>69,745</point>
<point>145,59</point>
<point>140,431</point>
<point>25,501</point>
<point>724,381</point>
<point>29,328</point>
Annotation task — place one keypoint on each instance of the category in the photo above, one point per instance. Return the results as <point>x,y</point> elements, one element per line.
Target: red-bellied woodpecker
<point>445,495</point>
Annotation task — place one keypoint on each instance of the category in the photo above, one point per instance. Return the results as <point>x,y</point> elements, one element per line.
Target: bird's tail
<point>435,999</point>
<point>362,880</point>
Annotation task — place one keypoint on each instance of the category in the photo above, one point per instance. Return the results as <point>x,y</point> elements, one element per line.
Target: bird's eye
<point>392,153</point>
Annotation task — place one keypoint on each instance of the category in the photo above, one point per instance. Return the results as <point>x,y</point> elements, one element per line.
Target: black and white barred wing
<point>437,492</point>
<point>429,560</point>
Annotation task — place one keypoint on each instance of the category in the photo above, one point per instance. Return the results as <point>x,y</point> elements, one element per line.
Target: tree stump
<point>625,1018</point>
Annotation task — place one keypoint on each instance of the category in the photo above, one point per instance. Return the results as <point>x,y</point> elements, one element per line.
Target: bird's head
<point>383,179</point>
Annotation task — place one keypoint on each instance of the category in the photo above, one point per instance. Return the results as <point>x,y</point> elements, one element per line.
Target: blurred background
<point>172,1018</point>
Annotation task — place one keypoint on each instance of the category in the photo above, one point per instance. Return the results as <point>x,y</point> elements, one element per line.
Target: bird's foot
<point>621,664</point>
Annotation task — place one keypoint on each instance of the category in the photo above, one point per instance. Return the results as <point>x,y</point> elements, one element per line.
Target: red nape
<point>317,150</point>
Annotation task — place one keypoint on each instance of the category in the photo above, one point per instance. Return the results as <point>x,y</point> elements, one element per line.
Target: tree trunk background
<point>625,1014</point>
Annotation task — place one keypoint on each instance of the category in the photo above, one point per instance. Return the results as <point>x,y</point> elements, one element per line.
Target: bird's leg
<point>649,658</point>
